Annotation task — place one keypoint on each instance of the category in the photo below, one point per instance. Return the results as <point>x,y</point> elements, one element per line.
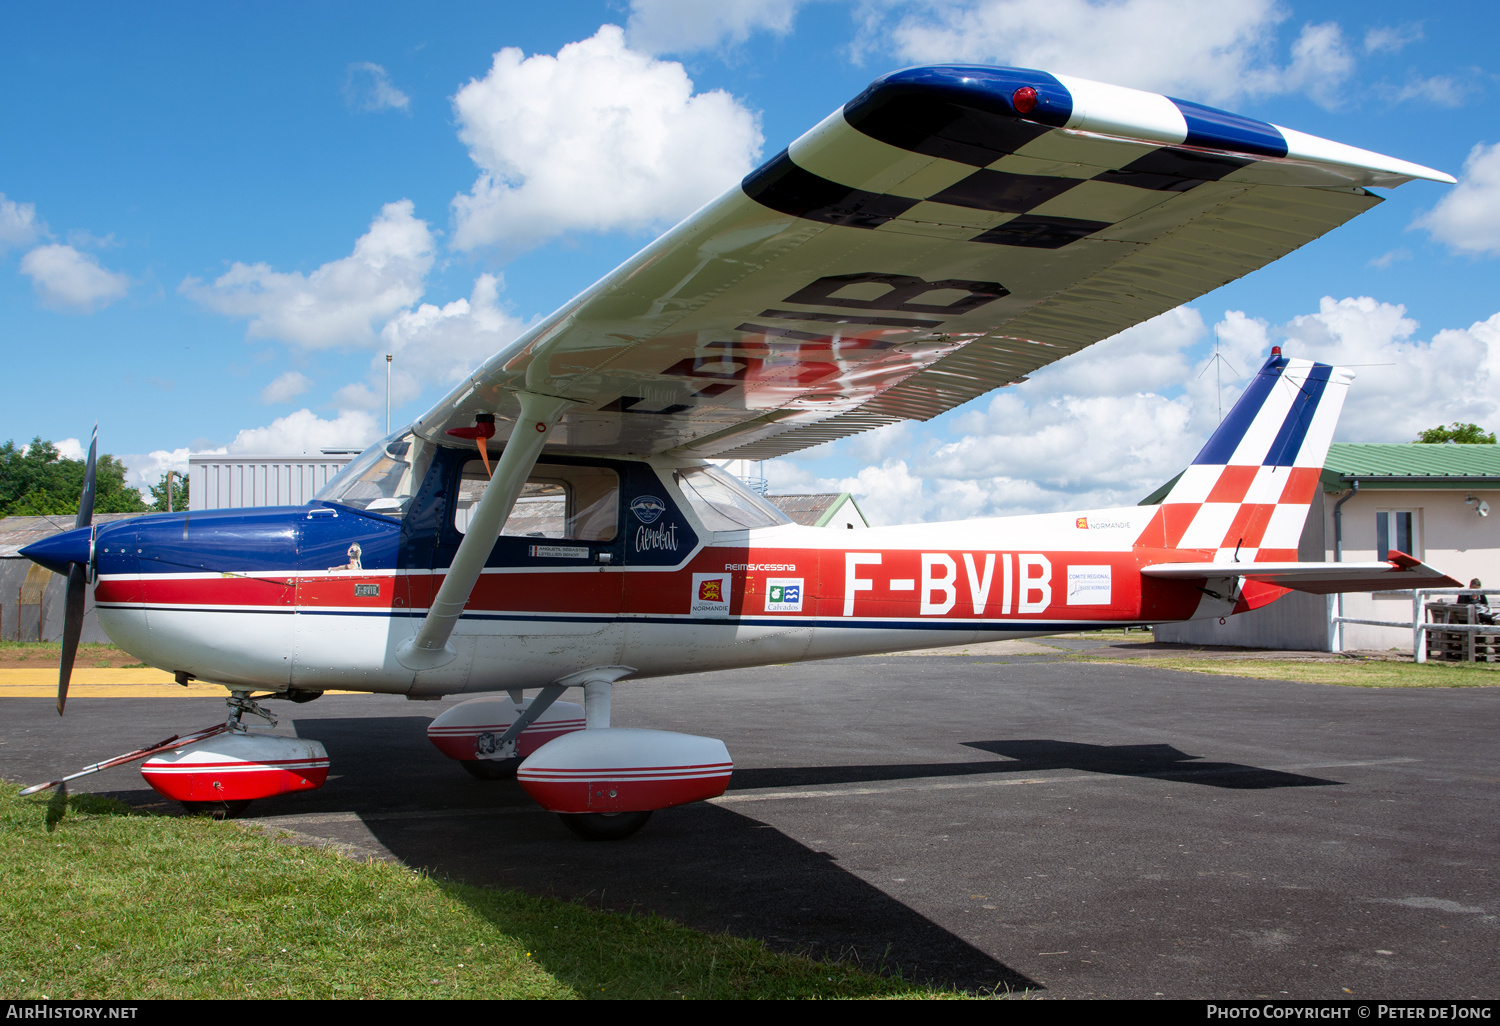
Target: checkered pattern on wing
<point>1026,185</point>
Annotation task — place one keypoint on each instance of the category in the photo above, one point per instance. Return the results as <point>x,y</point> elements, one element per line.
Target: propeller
<point>78,581</point>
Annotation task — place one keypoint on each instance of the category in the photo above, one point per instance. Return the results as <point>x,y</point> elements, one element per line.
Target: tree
<point>1463,434</point>
<point>179,493</point>
<point>36,480</point>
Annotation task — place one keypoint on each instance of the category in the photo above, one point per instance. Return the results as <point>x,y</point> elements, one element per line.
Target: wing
<point>947,232</point>
<point>1401,572</point>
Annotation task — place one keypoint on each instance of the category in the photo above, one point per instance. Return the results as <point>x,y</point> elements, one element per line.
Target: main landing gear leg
<point>504,767</point>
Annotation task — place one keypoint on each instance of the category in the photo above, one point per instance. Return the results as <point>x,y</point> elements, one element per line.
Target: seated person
<point>1480,601</point>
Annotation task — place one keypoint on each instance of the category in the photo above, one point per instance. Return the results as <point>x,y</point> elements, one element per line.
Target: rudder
<point>1245,497</point>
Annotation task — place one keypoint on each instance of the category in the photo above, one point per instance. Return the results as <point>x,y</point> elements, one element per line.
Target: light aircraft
<point>556,522</point>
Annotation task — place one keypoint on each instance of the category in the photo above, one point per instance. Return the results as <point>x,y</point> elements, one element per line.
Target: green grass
<point>104,902</point>
<point>48,652</point>
<point>1360,673</point>
<point>1116,634</point>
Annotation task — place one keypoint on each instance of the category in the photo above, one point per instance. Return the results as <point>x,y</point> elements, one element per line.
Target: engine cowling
<point>468,729</point>
<point>623,769</point>
<point>238,767</point>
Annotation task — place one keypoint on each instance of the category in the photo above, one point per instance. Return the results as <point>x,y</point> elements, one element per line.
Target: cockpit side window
<point>557,501</point>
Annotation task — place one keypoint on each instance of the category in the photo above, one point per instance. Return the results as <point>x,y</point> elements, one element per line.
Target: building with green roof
<point>1432,501</point>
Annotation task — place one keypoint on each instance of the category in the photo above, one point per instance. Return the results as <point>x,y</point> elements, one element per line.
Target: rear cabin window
<point>576,503</point>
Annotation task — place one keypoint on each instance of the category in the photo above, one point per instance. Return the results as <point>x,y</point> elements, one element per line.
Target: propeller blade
<point>86,500</point>
<point>78,581</point>
<point>78,589</point>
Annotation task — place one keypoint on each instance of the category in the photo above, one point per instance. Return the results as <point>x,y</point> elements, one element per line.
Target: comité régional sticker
<point>647,508</point>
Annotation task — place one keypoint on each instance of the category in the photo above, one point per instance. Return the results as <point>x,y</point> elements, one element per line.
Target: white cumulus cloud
<point>684,26</point>
<point>18,224</point>
<point>1468,217</point>
<point>1391,38</point>
<point>67,448</point>
<point>1210,52</point>
<point>306,432</point>
<point>143,470</point>
<point>66,279</point>
<point>285,388</point>
<point>339,303</point>
<point>434,345</point>
<point>368,87</point>
<point>1108,426</point>
<point>599,137</point>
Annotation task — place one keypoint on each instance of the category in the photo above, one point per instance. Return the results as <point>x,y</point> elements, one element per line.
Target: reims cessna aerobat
<point>555,521</point>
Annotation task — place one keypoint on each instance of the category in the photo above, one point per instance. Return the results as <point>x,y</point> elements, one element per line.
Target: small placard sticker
<point>710,594</point>
<point>560,551</point>
<point>1089,585</point>
<point>784,595</point>
<point>363,590</point>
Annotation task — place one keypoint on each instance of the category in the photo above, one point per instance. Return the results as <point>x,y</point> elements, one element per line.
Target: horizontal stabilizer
<point>1401,572</point>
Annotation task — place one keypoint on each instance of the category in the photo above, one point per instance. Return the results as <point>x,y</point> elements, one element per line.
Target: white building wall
<point>847,516</point>
<point>217,481</point>
<point>1453,538</point>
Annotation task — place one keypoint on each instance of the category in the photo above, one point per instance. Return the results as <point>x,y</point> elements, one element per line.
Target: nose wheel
<point>604,826</point>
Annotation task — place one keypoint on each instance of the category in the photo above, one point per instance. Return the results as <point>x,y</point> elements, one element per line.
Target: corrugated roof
<point>1398,465</point>
<point>1413,459</point>
<point>805,509</point>
<point>18,532</point>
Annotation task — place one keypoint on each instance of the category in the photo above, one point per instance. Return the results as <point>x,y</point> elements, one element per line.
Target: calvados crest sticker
<point>647,508</point>
<point>784,595</point>
<point>710,594</point>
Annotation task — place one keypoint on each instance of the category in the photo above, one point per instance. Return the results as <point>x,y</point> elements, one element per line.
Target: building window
<point>1398,529</point>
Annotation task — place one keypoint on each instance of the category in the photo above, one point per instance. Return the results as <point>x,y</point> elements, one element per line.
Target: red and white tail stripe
<point>1246,496</point>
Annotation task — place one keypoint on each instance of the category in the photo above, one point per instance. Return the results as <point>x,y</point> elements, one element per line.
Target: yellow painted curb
<point>109,682</point>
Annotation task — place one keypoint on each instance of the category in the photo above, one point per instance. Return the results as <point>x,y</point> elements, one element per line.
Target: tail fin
<point>1246,495</point>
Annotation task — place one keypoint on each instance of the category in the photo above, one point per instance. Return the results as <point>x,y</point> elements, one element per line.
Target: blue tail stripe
<point>1229,434</point>
<point>1283,451</point>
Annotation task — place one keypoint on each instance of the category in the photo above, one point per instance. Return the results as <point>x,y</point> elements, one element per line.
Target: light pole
<point>387,393</point>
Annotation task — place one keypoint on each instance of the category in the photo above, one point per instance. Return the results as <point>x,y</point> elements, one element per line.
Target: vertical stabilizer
<point>1246,495</point>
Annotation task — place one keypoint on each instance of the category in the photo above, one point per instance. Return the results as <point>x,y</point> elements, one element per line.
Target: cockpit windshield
<point>383,478</point>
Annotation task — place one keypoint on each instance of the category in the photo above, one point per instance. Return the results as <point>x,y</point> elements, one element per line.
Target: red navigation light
<point>1275,350</point>
<point>1024,100</point>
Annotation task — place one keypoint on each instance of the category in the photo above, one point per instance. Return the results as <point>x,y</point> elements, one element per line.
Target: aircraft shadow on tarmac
<point>703,864</point>
<point>1160,761</point>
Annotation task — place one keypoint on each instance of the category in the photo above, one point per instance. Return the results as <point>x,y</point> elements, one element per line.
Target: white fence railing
<point>1418,626</point>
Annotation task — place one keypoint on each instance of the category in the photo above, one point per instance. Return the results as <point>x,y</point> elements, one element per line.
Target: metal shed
<point>220,481</point>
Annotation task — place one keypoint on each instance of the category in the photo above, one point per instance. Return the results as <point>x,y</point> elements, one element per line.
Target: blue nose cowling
<point>56,552</point>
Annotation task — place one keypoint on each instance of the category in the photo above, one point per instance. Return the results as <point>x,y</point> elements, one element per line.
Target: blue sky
<point>216,219</point>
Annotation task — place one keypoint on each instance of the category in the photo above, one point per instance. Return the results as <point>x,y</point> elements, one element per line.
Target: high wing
<point>949,231</point>
<point>1402,571</point>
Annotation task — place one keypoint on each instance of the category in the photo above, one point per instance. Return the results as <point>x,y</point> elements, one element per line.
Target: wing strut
<point>429,647</point>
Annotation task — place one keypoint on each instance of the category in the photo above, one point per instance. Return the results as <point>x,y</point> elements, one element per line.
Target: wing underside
<point>923,245</point>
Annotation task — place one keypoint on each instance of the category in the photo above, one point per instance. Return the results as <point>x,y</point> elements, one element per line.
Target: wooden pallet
<point>1486,647</point>
<point>1455,646</point>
